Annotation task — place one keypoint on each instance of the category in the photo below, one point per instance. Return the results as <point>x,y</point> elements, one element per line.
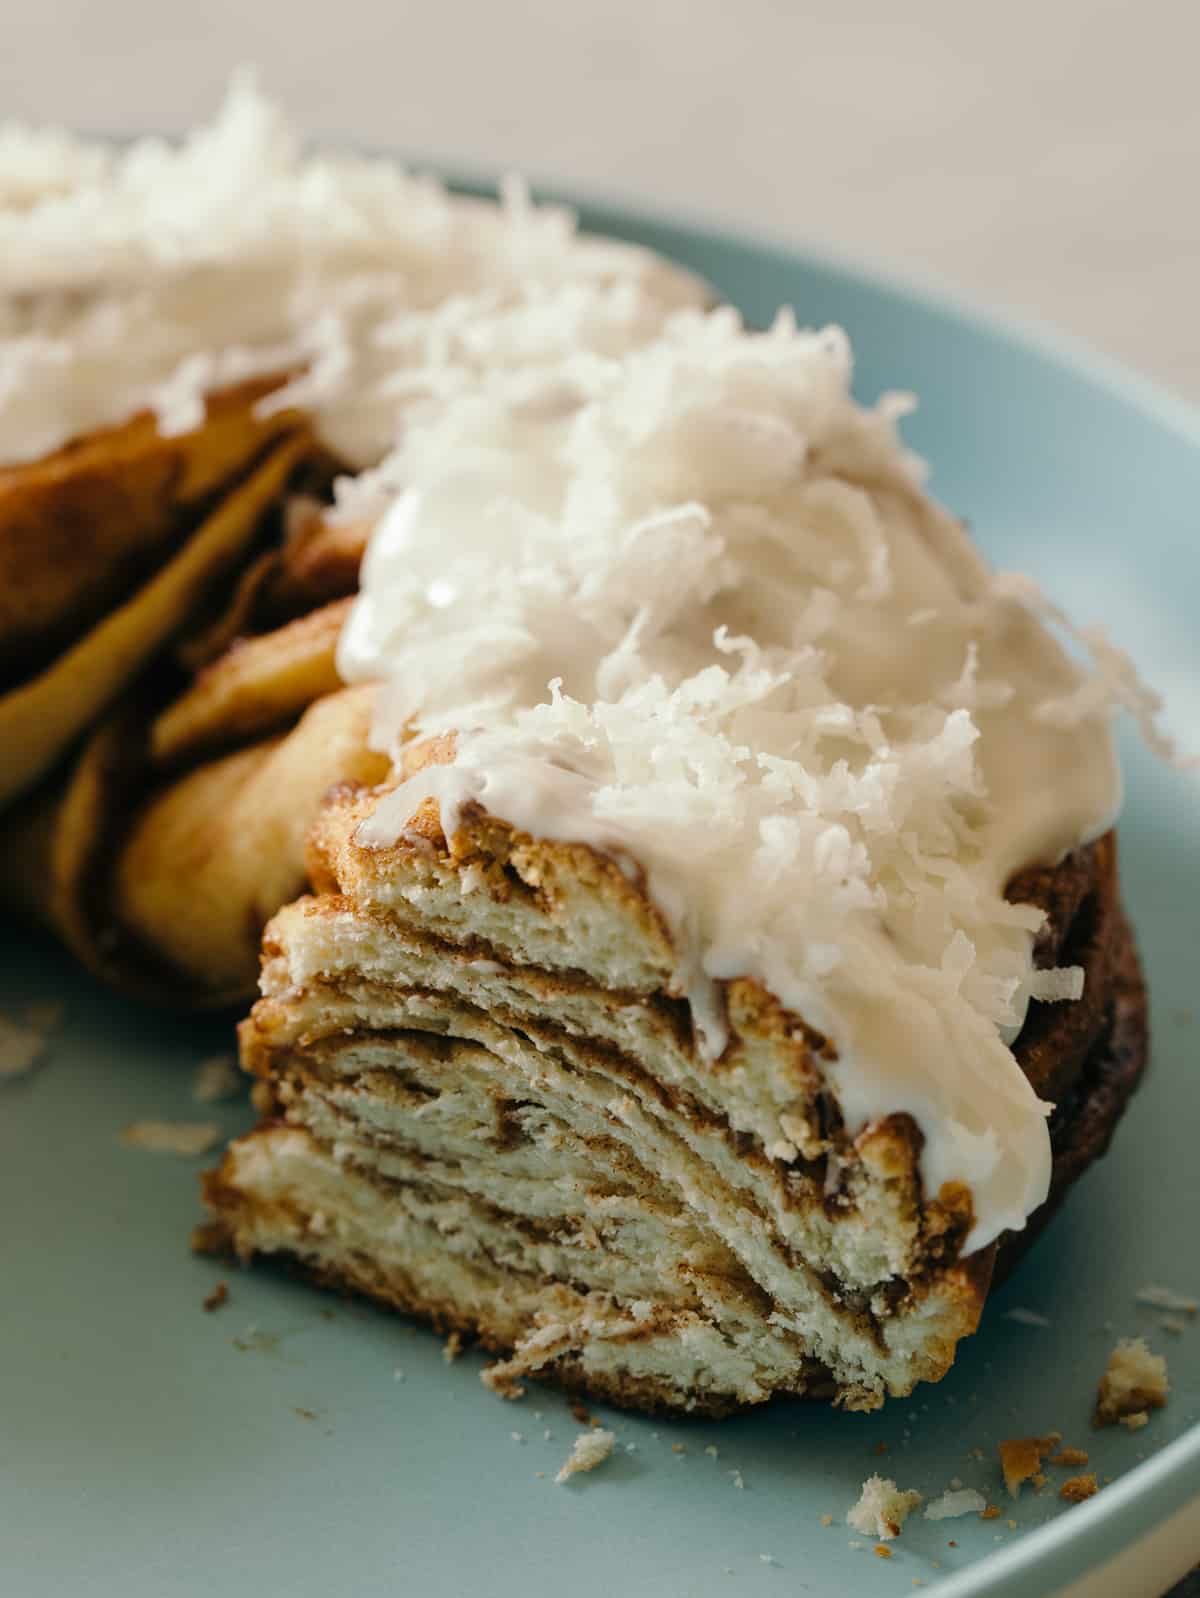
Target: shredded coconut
<point>151,275</point>
<point>1026,1317</point>
<point>965,1501</point>
<point>591,1449</point>
<point>186,1138</point>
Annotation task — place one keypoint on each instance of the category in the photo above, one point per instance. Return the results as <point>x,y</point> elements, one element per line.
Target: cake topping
<point>666,604</point>
<point>150,275</point>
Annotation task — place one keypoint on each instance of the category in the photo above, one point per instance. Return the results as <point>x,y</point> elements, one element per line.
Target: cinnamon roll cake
<point>683,872</point>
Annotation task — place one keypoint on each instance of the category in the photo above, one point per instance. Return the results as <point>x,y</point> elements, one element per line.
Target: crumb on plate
<point>1134,1379</point>
<point>954,1502</point>
<point>591,1449</point>
<point>1021,1458</point>
<point>217,1078</point>
<point>882,1508</point>
<point>1076,1488</point>
<point>185,1138</point>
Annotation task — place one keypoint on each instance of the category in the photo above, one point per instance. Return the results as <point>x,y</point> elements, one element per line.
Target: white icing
<point>147,277</point>
<point>668,605</point>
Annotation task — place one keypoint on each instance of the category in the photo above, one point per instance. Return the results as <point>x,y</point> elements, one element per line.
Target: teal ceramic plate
<point>292,1444</point>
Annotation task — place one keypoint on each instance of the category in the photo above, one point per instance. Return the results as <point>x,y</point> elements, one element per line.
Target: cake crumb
<point>452,1347</point>
<point>216,1079</point>
<point>768,1559</point>
<point>1134,1422</point>
<point>992,1512</point>
<point>184,1138</point>
<point>22,1047</point>
<point>218,1296</point>
<point>882,1551</point>
<point>539,1475</point>
<point>881,1448</point>
<point>713,1451</point>
<point>736,1476</point>
<point>882,1508</point>
<point>517,1437</point>
<point>1175,1324</point>
<point>678,1448</point>
<point>591,1449</point>
<point>1076,1488</point>
<point>1011,1524</point>
<point>1134,1379</point>
<point>964,1501</point>
<point>1038,1480</point>
<point>1069,1456</point>
<point>581,1414</point>
<point>1021,1458</point>
<point>826,1520</point>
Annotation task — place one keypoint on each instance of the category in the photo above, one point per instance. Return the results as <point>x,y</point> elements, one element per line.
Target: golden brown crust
<point>1084,1120</point>
<point>82,527</point>
<point>256,686</point>
<point>208,860</point>
<point>41,719</point>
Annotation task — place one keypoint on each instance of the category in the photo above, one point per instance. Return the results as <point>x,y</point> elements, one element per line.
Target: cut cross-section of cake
<point>482,1106</point>
<point>684,1027</point>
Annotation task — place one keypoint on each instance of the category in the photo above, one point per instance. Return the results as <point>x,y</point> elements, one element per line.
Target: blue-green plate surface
<point>150,1449</point>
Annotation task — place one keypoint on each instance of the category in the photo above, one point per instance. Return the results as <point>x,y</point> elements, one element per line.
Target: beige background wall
<point>1039,154</point>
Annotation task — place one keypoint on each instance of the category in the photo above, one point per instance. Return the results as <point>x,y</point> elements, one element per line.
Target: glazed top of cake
<point>146,277</point>
<point>691,606</point>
